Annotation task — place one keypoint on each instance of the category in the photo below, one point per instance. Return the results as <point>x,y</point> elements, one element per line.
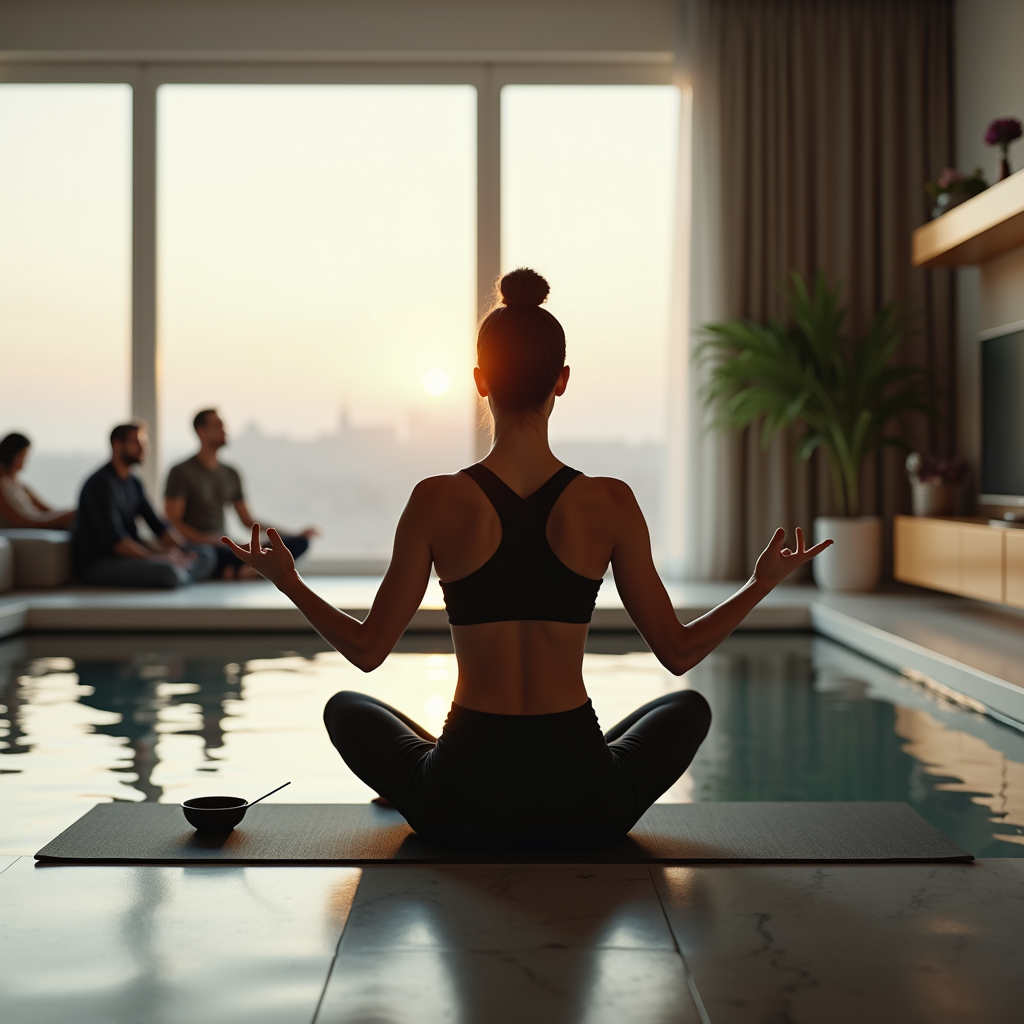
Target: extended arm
<point>42,518</point>
<point>677,646</point>
<point>366,644</point>
<point>40,505</point>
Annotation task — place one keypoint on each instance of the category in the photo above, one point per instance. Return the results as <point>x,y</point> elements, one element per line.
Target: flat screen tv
<point>1002,416</point>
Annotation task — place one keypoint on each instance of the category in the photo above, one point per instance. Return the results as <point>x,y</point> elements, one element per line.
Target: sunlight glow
<point>436,381</point>
<point>279,208</point>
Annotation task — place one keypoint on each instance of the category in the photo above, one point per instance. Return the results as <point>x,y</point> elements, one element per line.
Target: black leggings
<point>519,781</point>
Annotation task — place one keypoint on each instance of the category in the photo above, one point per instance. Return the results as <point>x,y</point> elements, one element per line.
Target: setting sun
<point>436,381</point>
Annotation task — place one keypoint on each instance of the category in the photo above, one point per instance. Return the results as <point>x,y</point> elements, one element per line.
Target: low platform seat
<point>42,558</point>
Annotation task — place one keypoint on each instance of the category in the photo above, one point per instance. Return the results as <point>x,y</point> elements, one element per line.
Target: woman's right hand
<point>275,563</point>
<point>777,562</point>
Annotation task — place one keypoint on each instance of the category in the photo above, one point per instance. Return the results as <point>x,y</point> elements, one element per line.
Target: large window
<point>65,275</point>
<point>588,181</point>
<point>317,284</point>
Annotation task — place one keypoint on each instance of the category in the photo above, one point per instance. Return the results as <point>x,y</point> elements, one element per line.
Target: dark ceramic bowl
<point>214,813</point>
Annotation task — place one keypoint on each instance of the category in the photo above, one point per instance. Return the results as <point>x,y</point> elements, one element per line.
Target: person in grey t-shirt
<point>198,489</point>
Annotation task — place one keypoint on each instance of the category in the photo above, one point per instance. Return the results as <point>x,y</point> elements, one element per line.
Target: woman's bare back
<point>521,667</point>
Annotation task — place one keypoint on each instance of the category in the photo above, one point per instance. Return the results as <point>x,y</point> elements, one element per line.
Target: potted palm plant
<point>844,393</point>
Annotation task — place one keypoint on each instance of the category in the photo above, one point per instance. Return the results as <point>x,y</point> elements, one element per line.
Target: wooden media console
<point>960,555</point>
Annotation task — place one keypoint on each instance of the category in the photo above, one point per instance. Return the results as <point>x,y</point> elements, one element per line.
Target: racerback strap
<point>513,510</point>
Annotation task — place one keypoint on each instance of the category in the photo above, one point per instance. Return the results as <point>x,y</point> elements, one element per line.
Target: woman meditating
<point>520,543</point>
<point>20,508</point>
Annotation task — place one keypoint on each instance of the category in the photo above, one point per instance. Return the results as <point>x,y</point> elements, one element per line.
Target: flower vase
<point>934,498</point>
<point>1004,167</point>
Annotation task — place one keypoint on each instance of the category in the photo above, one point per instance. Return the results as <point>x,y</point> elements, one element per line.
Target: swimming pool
<point>91,718</point>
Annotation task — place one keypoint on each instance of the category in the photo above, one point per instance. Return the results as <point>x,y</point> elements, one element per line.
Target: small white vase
<point>854,561</point>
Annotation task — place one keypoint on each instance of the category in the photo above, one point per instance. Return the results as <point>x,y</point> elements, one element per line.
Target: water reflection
<point>806,719</point>
<point>162,718</point>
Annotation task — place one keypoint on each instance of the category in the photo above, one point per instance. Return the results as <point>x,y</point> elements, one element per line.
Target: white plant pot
<point>854,561</point>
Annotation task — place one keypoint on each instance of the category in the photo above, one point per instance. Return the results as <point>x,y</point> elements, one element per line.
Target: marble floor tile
<point>553,986</point>
<point>893,943</point>
<point>496,943</point>
<point>508,907</point>
<point>160,945</point>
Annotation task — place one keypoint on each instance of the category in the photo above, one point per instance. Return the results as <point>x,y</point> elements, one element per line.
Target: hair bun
<point>523,287</point>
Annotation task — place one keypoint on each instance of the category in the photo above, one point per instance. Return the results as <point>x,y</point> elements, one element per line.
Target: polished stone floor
<point>737,944</point>
<point>729,944</point>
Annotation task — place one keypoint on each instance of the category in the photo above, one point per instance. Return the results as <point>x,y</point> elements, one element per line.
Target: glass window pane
<point>65,284</point>
<point>317,261</point>
<point>588,186</point>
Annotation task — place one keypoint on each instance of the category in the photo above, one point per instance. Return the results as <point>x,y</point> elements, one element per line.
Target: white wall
<point>989,83</point>
<point>326,26</point>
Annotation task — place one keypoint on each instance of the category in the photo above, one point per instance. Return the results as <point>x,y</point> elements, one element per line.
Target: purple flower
<point>1002,131</point>
<point>922,469</point>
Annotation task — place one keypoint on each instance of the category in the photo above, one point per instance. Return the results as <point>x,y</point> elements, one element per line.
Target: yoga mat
<point>146,833</point>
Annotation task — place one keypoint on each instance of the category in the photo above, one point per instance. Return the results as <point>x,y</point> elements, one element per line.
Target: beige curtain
<point>815,124</point>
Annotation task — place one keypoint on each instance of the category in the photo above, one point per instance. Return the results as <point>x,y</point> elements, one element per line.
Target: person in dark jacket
<point>108,550</point>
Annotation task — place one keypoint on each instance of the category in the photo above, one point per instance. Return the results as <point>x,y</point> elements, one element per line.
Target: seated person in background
<point>19,507</point>
<point>107,548</point>
<point>199,488</point>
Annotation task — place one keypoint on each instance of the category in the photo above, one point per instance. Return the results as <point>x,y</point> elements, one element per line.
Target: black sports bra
<point>524,578</point>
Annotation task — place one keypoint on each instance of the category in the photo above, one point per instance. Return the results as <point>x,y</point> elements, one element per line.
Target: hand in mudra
<point>275,562</point>
<point>776,562</point>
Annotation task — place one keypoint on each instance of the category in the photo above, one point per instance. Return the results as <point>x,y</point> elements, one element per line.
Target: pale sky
<point>316,251</point>
<point>65,262</point>
<point>588,179</point>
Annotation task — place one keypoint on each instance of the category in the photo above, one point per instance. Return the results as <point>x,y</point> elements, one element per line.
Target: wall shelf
<point>975,231</point>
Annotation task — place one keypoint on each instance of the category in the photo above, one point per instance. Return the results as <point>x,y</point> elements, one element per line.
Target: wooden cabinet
<point>981,561</point>
<point>960,556</point>
<point>926,552</point>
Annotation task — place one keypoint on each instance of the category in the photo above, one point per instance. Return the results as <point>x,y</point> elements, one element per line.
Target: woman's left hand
<point>777,562</point>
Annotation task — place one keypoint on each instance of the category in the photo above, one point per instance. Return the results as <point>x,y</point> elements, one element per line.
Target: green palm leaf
<point>846,394</point>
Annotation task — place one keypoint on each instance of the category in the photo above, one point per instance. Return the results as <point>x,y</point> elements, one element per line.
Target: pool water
<point>164,718</point>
